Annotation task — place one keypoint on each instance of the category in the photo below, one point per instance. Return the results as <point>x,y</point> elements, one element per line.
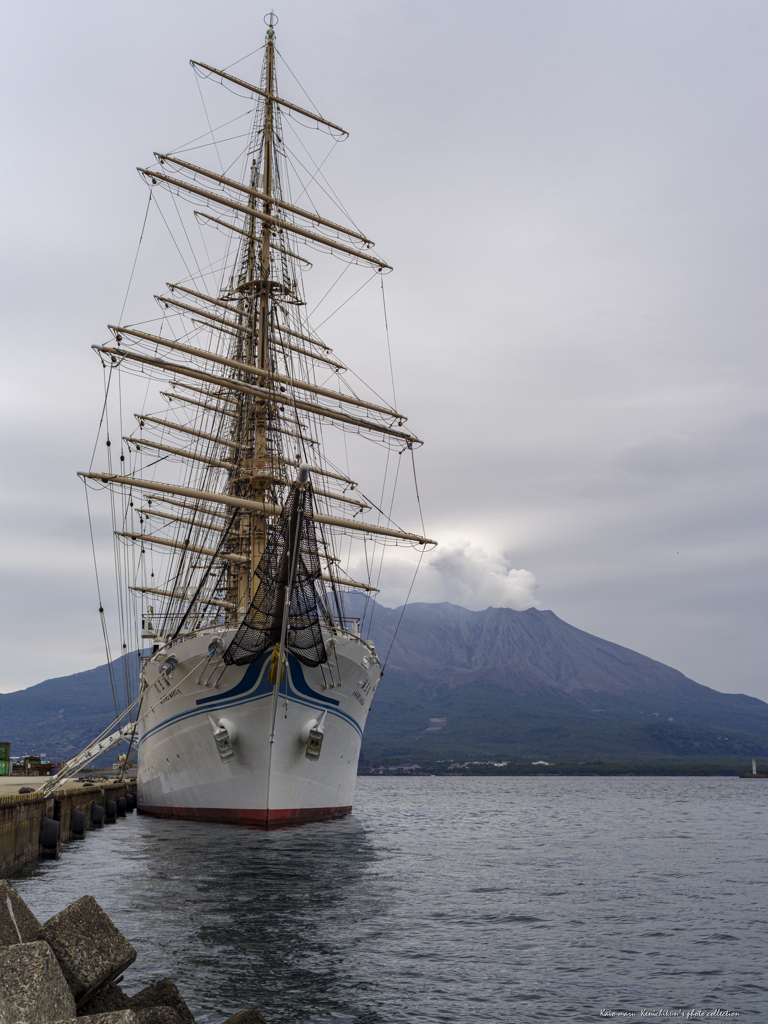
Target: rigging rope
<point>284,592</point>
<point>205,575</point>
<point>389,347</point>
<point>354,293</point>
<point>402,613</point>
<point>136,257</point>
<point>103,621</point>
<point>208,120</point>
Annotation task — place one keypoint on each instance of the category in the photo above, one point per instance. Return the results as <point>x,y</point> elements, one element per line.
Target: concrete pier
<point>22,832</point>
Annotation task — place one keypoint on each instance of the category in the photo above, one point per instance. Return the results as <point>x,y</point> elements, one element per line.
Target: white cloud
<point>471,577</point>
<point>462,573</point>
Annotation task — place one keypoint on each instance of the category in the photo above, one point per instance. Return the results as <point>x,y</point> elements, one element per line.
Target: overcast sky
<point>572,193</point>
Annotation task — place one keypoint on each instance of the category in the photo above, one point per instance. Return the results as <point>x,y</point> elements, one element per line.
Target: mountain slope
<point>529,684</point>
<point>435,639</point>
<point>60,716</point>
<point>416,716</point>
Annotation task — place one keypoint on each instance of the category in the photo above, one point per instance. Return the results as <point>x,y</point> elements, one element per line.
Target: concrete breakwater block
<point>118,1017</point>
<point>159,1015</point>
<point>246,1017</point>
<point>90,950</point>
<point>158,1003</point>
<point>148,1005</point>
<point>33,989</point>
<point>108,999</point>
<point>17,922</point>
<point>161,994</point>
<point>64,971</point>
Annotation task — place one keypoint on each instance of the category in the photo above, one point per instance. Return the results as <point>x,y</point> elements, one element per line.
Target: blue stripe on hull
<point>258,682</point>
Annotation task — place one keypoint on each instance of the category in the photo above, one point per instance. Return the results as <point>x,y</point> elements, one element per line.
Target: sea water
<point>449,900</point>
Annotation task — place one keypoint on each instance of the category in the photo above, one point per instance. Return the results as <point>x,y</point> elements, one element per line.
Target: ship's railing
<point>349,624</point>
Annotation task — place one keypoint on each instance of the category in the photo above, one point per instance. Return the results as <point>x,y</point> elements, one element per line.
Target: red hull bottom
<point>254,817</point>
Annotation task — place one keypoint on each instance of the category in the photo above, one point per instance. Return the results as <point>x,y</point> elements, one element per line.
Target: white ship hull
<point>181,773</point>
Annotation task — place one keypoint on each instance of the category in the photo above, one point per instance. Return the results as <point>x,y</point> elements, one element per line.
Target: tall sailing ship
<point>235,514</point>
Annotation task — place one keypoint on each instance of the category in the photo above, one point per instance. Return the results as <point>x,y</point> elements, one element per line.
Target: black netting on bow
<point>292,538</point>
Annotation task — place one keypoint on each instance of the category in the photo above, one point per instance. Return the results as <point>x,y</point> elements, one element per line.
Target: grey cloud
<point>572,196</point>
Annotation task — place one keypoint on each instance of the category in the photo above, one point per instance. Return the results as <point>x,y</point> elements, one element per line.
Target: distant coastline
<point>684,766</point>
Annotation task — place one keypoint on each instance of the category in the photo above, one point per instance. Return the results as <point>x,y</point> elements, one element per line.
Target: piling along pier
<point>33,825</point>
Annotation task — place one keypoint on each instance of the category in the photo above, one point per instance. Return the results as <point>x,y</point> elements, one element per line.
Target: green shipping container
<point>5,758</point>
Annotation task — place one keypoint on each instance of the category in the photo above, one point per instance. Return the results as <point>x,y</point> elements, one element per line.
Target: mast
<point>254,305</point>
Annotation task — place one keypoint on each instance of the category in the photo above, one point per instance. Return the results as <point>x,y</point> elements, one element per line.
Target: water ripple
<point>443,900</point>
